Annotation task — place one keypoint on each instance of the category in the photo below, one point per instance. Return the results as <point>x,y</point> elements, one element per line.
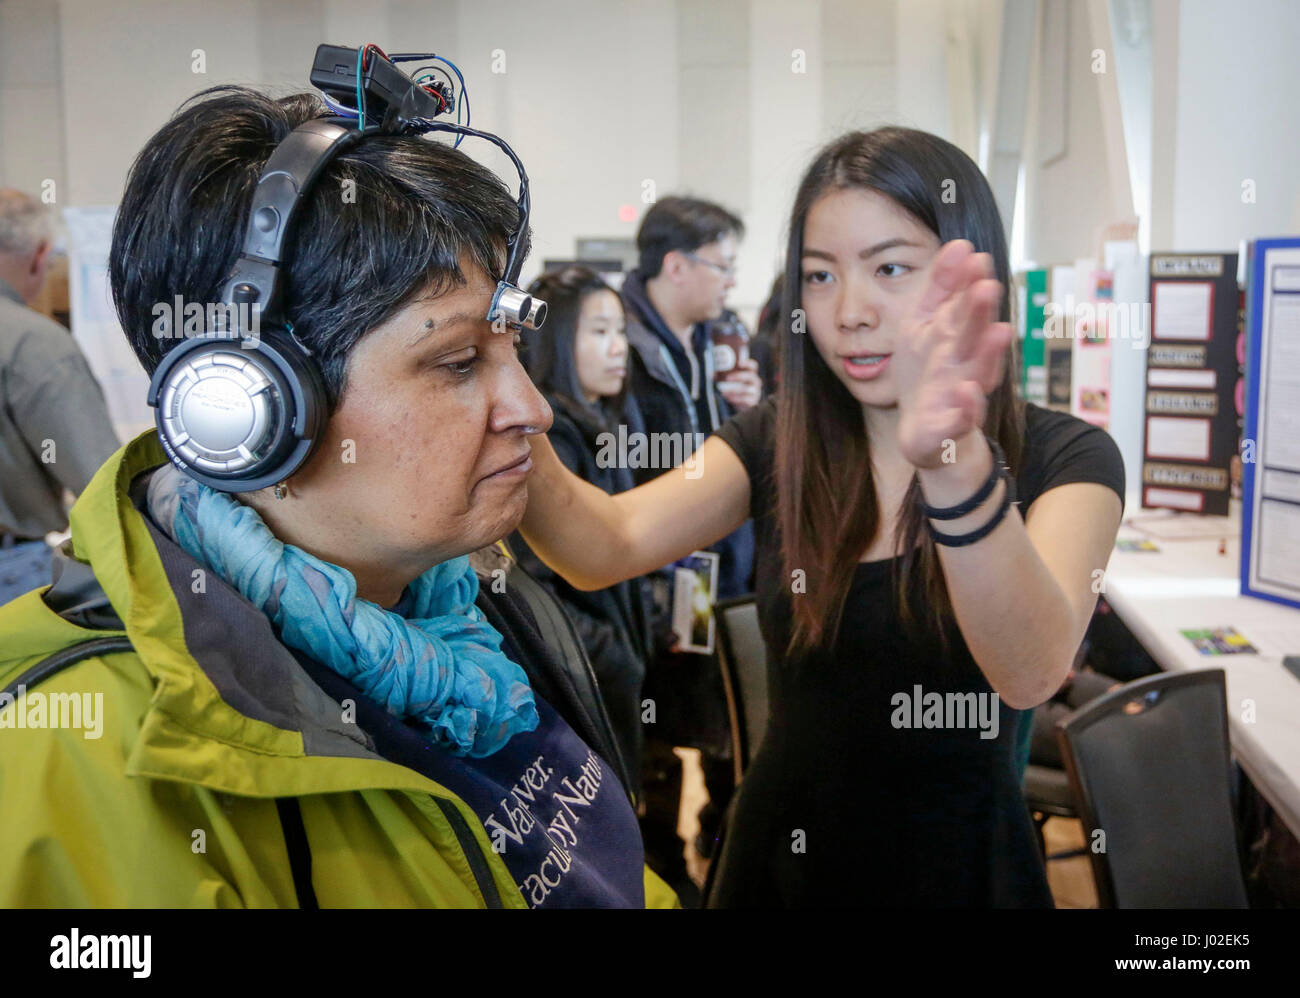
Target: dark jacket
<point>687,688</point>
<point>615,624</point>
<point>658,380</point>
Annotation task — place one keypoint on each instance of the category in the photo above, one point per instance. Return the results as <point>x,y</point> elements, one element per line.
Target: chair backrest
<point>1150,767</point>
<point>743,656</point>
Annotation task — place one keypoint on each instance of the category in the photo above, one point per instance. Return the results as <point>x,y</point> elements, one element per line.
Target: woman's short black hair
<point>684,224</point>
<point>549,352</point>
<point>392,217</point>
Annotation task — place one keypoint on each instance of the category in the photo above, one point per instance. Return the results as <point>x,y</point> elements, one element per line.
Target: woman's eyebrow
<point>869,252</point>
<point>437,325</point>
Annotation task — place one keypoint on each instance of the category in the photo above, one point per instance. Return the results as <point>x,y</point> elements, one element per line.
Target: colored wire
<point>364,50</point>
<point>426,73</point>
<point>464,93</point>
<point>361,68</point>
<point>342,110</point>
<point>361,104</point>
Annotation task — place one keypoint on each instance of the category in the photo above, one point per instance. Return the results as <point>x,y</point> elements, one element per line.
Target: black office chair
<point>1150,767</point>
<point>743,657</point>
<point>1048,795</point>
<point>1046,785</point>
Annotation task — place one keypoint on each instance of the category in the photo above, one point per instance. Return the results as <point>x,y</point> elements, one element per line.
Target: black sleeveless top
<point>887,776</point>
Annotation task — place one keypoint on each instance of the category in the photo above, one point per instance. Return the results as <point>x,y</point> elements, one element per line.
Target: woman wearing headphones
<point>302,695</point>
<point>911,609</point>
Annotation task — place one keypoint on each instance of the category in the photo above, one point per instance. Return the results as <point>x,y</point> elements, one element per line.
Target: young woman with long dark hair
<point>579,363</point>
<point>913,605</point>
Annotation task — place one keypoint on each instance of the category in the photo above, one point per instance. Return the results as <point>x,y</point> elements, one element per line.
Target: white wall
<point>31,96</point>
<point>596,97</point>
<point>704,98</point>
<point>1070,192</point>
<point>1223,110</point>
<point>1238,119</point>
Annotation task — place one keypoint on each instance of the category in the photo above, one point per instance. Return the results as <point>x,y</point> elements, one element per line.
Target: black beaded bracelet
<point>962,540</point>
<point>985,490</point>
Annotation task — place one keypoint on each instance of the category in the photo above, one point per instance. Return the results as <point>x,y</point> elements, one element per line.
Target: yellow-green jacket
<point>212,742</point>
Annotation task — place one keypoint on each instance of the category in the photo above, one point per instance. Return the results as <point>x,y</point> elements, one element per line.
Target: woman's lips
<point>866,372</point>
<point>519,469</point>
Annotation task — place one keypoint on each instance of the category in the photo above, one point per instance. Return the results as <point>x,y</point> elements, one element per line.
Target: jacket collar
<point>652,351</point>
<point>637,298</point>
<point>232,709</point>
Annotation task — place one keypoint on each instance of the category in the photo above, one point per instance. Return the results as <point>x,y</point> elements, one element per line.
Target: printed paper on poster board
<point>1178,438</point>
<point>1182,310</point>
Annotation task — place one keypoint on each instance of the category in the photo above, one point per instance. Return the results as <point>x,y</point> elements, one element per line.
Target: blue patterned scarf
<point>434,659</point>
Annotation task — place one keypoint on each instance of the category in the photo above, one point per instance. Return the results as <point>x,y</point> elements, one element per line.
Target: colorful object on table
<point>1220,641</point>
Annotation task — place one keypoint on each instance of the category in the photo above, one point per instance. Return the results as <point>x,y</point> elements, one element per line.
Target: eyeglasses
<point>726,270</point>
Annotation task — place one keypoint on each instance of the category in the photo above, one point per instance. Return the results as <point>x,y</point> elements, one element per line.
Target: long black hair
<point>825,494</point>
<point>549,353</point>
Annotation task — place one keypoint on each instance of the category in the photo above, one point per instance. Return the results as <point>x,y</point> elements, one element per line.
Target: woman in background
<point>579,362</point>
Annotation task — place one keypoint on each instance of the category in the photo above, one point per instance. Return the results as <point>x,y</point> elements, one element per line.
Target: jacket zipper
<point>667,358</point>
<point>478,865</point>
<point>708,389</point>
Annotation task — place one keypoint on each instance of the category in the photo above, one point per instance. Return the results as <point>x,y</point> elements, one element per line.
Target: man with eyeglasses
<point>674,300</point>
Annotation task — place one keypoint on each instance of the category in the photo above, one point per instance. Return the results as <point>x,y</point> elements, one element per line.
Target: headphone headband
<point>286,180</point>
<point>242,414</point>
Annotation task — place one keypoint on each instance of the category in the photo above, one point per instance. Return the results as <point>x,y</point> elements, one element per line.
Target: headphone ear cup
<point>239,415</point>
<point>310,411</point>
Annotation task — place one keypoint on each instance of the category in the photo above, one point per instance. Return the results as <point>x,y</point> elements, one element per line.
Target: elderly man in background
<point>54,427</point>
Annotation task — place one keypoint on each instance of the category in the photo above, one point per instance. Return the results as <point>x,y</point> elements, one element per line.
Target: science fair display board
<point>1190,428</point>
<point>1270,520</point>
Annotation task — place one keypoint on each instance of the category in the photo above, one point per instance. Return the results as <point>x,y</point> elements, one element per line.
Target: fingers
<point>991,355</point>
<point>741,400</point>
<point>947,276</point>
<point>737,376</point>
<point>743,388</point>
<point>976,312</point>
<point>746,378</point>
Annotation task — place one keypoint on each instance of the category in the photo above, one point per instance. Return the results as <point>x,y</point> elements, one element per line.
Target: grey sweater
<point>54,426</point>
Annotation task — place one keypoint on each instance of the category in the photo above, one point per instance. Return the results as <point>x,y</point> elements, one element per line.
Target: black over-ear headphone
<point>243,406</point>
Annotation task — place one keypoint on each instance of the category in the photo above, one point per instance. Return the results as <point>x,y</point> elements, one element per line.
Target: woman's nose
<point>855,310</point>
<point>617,346</point>
<point>519,405</point>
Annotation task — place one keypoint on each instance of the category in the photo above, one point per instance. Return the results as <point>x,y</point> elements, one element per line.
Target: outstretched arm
<point>1023,595</point>
<point>594,539</point>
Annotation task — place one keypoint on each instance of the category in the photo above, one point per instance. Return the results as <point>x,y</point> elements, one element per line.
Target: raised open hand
<point>950,353</point>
